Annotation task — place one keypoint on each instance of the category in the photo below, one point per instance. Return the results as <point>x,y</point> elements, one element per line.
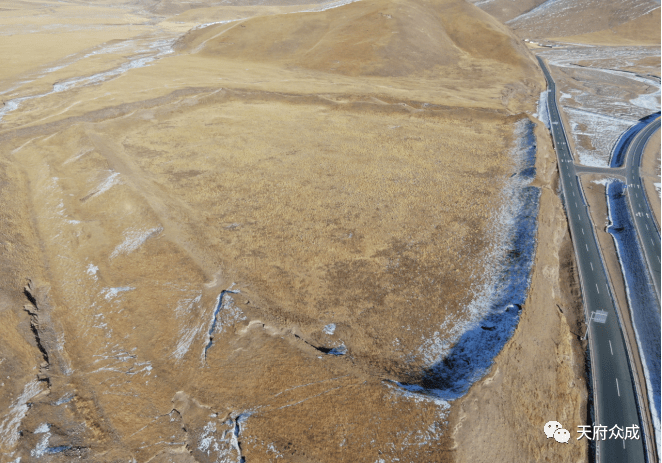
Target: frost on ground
<point>151,51</point>
<point>494,311</point>
<point>220,441</point>
<point>190,328</point>
<point>328,6</point>
<point>600,57</point>
<point>603,181</point>
<point>420,397</point>
<point>9,427</point>
<point>595,135</point>
<point>133,239</point>
<point>600,97</point>
<point>543,112</point>
<point>112,179</point>
<point>329,329</point>
<point>42,448</point>
<point>111,293</point>
<point>640,293</point>
<point>225,314</point>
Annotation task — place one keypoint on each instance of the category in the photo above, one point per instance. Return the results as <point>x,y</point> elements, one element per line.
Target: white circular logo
<point>562,435</point>
<point>551,427</point>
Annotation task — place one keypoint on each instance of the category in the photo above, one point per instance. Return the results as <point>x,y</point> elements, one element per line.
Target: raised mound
<point>380,38</point>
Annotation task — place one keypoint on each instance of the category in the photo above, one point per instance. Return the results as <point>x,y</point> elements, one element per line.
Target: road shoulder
<point>650,174</point>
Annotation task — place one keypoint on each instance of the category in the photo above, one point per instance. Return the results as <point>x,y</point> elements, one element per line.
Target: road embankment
<point>650,173</point>
<point>539,375</point>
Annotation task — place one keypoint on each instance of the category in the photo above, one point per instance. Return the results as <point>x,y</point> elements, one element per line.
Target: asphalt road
<point>613,390</point>
<point>647,231</point>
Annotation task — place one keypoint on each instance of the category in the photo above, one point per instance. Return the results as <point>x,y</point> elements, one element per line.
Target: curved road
<point>644,223</point>
<point>613,390</point>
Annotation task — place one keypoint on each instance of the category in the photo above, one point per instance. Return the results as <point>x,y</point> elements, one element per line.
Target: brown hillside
<point>563,18</point>
<point>644,30</point>
<point>383,38</point>
<point>505,10</point>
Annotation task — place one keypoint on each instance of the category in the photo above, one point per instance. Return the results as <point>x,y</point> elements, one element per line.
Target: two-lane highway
<point>644,223</point>
<point>613,390</point>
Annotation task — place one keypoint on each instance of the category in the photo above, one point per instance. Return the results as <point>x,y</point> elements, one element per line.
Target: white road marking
<point>583,232</point>
<point>578,216</point>
<point>617,388</point>
<point>585,244</point>
<point>612,350</point>
<point>591,265</point>
<point>647,227</point>
<point>596,287</point>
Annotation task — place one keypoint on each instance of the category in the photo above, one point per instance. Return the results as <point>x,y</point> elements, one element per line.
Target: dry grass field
<point>204,216</point>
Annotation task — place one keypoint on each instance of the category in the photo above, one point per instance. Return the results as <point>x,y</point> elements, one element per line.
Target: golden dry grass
<point>644,31</point>
<point>360,193</point>
<point>395,38</point>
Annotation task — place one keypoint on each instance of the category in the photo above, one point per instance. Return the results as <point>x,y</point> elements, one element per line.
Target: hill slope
<point>379,38</point>
<point>505,10</point>
<point>562,18</point>
<point>644,30</point>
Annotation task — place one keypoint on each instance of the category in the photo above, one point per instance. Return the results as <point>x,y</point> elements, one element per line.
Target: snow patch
<point>187,333</point>
<point>220,441</point>
<point>225,314</point>
<point>79,155</point>
<point>162,47</point>
<point>111,293</point>
<point>42,428</point>
<point>603,181</point>
<point>543,112</point>
<point>328,6</point>
<point>202,26</point>
<point>602,132</point>
<point>10,424</point>
<point>133,239</point>
<point>110,181</point>
<point>641,297</point>
<point>41,447</point>
<point>466,351</point>
<point>155,51</point>
<point>649,101</point>
<point>64,399</point>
